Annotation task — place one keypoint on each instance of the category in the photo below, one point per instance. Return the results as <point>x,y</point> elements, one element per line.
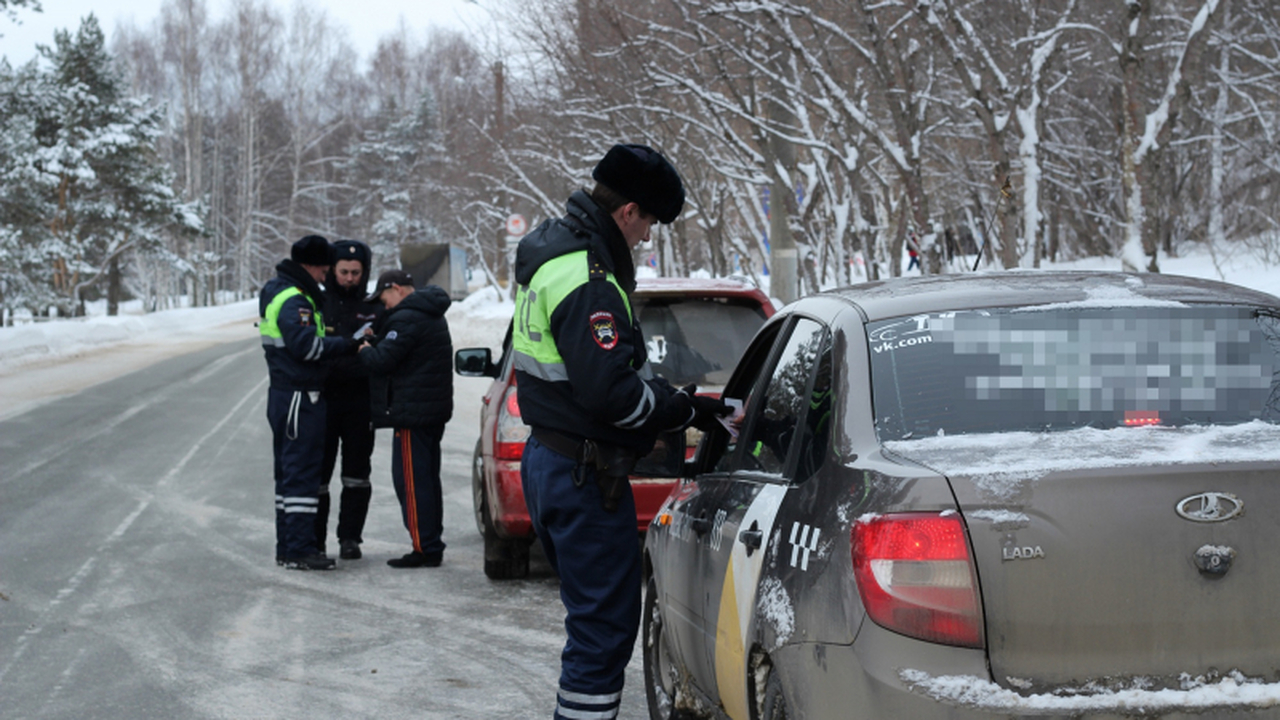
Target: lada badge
<point>1210,507</point>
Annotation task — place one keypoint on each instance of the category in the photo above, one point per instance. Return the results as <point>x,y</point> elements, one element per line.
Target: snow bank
<point>47,341</point>
<point>479,320</point>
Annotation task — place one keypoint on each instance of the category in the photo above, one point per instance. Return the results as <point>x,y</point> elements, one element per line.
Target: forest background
<point>177,161</point>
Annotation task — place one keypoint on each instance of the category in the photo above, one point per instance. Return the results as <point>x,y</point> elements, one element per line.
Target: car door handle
<point>700,525</point>
<point>751,540</point>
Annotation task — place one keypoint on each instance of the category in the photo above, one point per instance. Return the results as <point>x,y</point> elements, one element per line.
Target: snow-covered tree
<point>391,173</point>
<point>85,167</point>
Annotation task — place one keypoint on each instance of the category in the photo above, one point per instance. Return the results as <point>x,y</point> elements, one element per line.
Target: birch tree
<point>1148,125</point>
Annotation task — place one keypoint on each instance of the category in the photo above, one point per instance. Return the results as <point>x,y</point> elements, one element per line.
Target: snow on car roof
<point>902,297</point>
<point>701,285</point>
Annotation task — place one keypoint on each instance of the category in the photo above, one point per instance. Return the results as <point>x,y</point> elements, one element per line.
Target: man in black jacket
<point>297,350</point>
<point>346,391</point>
<point>412,391</point>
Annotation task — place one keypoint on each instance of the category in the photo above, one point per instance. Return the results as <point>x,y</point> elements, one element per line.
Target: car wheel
<point>661,674</point>
<point>503,559</point>
<point>775,703</point>
<point>477,488</point>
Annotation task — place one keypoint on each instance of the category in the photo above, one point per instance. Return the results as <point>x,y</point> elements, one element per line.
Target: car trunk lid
<point>1104,556</point>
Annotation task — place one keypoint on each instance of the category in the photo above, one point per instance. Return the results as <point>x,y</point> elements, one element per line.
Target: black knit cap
<point>312,250</point>
<point>640,174</point>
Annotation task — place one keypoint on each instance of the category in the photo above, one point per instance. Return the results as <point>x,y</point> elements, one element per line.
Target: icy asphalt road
<point>137,576</point>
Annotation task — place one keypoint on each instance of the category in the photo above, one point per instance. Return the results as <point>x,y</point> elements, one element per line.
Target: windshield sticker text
<point>903,343</point>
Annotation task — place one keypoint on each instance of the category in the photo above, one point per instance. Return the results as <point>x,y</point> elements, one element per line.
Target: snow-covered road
<point>137,576</point>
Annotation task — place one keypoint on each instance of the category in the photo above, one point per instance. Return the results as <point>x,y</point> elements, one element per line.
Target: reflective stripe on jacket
<point>293,339</point>
<point>602,387</point>
<point>269,328</point>
<point>580,359</point>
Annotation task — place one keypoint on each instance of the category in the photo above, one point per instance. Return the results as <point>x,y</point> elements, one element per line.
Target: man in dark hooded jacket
<point>588,392</point>
<point>412,391</point>
<point>346,391</point>
<point>297,351</point>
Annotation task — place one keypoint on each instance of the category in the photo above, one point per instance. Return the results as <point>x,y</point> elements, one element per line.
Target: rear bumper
<point>511,515</point>
<point>886,675</point>
<point>506,504</point>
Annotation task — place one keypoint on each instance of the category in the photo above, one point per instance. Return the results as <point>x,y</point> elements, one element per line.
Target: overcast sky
<point>365,20</point>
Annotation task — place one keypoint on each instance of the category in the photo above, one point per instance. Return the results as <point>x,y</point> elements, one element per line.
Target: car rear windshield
<point>697,340</point>
<point>999,370</point>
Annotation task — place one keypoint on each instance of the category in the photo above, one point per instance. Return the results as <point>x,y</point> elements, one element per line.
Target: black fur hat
<point>640,174</point>
<point>312,250</point>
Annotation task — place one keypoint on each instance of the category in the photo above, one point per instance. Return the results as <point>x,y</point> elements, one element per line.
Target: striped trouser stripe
<point>583,706</point>
<point>299,504</point>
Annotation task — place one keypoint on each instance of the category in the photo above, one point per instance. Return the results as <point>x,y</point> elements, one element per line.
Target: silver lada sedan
<point>1005,495</point>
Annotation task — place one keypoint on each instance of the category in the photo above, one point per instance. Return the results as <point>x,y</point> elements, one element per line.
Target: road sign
<point>516,224</point>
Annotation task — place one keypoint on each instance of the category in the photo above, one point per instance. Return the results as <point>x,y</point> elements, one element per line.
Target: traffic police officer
<point>350,419</point>
<point>594,406</point>
<point>293,338</point>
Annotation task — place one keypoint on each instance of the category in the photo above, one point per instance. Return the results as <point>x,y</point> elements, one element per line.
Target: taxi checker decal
<point>737,601</point>
<point>604,329</point>
<point>808,542</point>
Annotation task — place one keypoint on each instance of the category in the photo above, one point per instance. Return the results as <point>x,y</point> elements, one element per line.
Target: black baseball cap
<point>386,280</point>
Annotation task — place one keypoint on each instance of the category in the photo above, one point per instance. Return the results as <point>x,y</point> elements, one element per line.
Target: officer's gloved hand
<point>705,409</point>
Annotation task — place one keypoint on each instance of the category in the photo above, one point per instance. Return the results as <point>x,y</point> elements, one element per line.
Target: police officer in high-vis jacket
<point>595,407</point>
<point>293,338</point>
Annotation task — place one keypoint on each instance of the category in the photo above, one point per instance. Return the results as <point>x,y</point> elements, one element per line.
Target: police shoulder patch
<point>604,329</point>
<point>391,335</point>
<point>304,316</point>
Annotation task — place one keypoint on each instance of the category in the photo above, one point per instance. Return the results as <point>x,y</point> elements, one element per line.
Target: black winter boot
<point>322,522</point>
<point>416,559</point>
<point>311,562</point>
<point>349,550</point>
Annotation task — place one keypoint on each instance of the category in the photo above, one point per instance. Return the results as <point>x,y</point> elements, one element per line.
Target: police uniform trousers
<point>599,578</point>
<point>349,424</point>
<point>297,427</point>
<point>415,471</point>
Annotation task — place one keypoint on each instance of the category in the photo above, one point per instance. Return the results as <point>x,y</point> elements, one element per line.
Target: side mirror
<point>475,362</point>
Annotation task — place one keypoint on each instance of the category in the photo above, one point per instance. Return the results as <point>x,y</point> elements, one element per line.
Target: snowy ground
<point>47,360</point>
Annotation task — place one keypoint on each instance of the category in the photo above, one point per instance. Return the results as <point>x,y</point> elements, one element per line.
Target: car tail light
<point>512,432</point>
<point>916,576</point>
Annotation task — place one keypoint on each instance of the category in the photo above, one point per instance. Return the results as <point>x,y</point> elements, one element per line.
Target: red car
<point>695,330</point>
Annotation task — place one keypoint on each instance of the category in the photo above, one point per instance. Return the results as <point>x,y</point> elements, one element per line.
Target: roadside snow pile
<point>51,340</point>
<point>1197,694</point>
<point>480,320</point>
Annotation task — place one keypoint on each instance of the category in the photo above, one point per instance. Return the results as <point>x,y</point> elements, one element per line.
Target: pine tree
<point>27,250</point>
<point>94,187</point>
